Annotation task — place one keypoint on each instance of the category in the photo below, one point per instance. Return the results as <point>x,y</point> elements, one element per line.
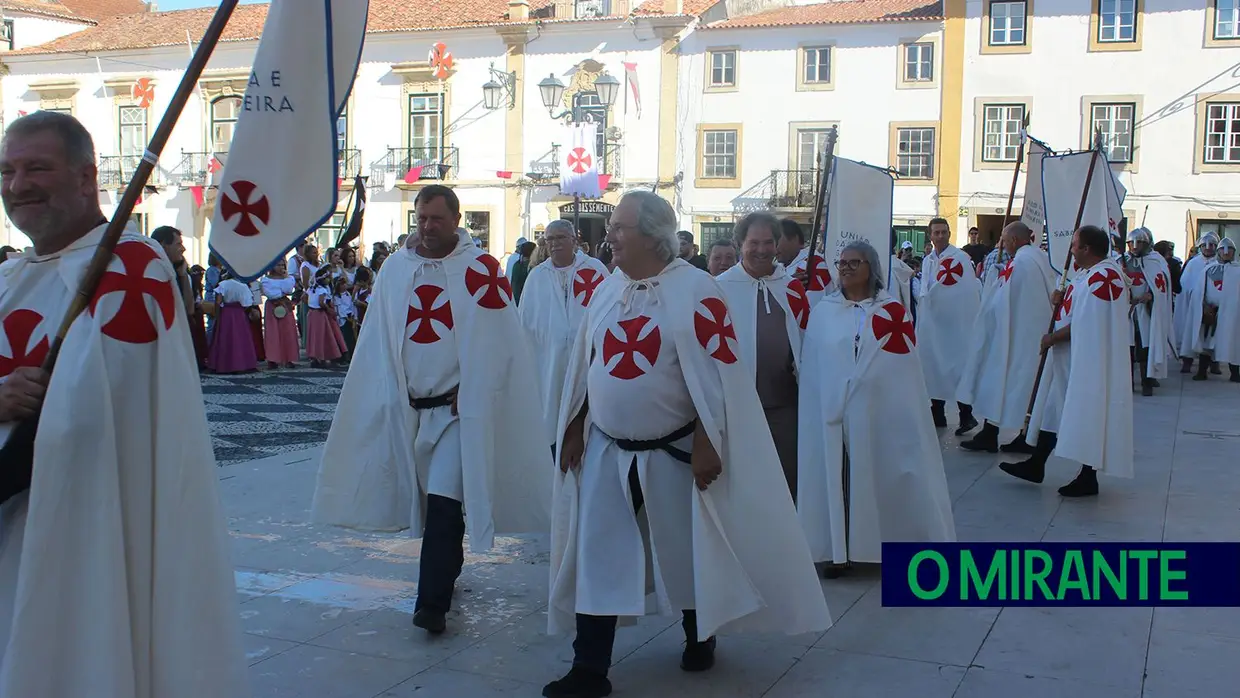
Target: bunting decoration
<point>441,60</point>
<point>143,90</point>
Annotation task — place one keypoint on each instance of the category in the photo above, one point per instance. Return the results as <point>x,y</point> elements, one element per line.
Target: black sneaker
<point>579,683</point>
<point>698,656</point>
<point>433,622</point>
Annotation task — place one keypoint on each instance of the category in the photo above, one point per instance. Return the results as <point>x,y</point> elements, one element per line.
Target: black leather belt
<point>430,403</point>
<point>661,444</point>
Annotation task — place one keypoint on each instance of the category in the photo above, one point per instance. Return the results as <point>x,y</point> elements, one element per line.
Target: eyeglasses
<point>850,264</point>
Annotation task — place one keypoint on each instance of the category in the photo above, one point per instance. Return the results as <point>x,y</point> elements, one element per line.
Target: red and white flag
<point>579,162</point>
<point>630,78</point>
<point>280,181</point>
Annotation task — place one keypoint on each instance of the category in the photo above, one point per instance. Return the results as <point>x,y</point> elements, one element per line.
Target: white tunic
<point>278,288</point>
<point>1048,405</point>
<point>233,291</point>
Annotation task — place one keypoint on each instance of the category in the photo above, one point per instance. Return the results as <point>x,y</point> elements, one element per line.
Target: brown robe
<point>777,385</point>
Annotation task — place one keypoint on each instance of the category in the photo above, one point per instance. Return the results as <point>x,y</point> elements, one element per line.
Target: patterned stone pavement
<point>256,415</point>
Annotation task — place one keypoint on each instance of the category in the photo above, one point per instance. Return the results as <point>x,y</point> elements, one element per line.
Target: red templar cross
<point>1218,284</point>
<point>895,328</point>
<point>1135,278</point>
<point>496,291</point>
<point>1110,286</point>
<point>579,160</point>
<point>425,313</point>
<point>1065,306</point>
<point>798,303</point>
<point>584,284</point>
<point>632,345</point>
<point>822,276</point>
<point>715,323</point>
<point>249,205</point>
<point>1006,273</point>
<point>19,328</point>
<point>1160,282</point>
<point>950,272</point>
<point>132,322</point>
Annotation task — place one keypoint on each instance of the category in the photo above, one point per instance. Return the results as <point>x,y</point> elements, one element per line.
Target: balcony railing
<point>549,165</point>
<point>425,163</point>
<point>115,171</point>
<point>781,189</point>
<point>195,168</point>
<point>350,163</point>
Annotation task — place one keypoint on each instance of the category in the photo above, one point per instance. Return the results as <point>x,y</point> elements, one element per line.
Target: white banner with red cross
<point>280,181</point>
<point>579,162</point>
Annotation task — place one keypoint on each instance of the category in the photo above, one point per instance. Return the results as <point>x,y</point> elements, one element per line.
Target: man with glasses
<point>553,305</point>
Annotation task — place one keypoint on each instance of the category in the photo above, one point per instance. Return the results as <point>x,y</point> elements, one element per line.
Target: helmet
<point>1141,235</point>
<point>1207,239</point>
<point>1227,244</point>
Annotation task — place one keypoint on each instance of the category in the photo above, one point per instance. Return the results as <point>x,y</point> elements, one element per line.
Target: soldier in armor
<point>1150,285</point>
<point>1223,278</point>
<point>1191,281</point>
<point>1209,319</point>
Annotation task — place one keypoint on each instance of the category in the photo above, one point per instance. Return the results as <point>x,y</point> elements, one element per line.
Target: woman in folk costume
<point>769,310</point>
<point>324,341</point>
<point>346,313</point>
<point>1227,333</point>
<point>279,319</point>
<point>232,343</point>
<point>871,469</point>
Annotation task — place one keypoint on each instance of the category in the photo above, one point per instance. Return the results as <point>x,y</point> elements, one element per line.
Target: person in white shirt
<point>324,341</point>
<point>232,345</point>
<point>280,338</point>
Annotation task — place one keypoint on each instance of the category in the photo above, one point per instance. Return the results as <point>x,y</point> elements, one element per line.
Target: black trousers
<point>596,635</point>
<point>963,409</point>
<point>443,553</point>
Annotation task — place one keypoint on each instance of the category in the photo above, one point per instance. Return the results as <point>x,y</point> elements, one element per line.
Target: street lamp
<point>552,91</point>
<point>501,83</point>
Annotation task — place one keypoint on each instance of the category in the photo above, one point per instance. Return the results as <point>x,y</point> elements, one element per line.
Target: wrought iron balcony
<point>781,189</point>
<point>196,168</point>
<point>350,163</point>
<point>423,163</point>
<point>548,166</point>
<point>115,171</point>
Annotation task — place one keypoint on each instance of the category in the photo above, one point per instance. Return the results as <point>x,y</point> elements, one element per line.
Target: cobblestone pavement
<point>327,611</point>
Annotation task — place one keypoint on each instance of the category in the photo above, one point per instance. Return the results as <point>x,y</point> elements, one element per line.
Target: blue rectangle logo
<point>1061,574</point>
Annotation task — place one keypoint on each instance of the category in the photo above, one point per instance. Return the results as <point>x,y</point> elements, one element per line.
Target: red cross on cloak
<point>426,312</point>
<point>949,272</point>
<point>132,322</point>
<point>715,323</point>
<point>1065,306</point>
<point>19,327</point>
<point>584,283</point>
<point>1006,273</point>
<point>1160,282</point>
<point>633,344</point>
<point>822,276</point>
<point>491,282</point>
<point>1109,287</point>
<point>1218,284</point>
<point>896,328</point>
<point>798,303</point>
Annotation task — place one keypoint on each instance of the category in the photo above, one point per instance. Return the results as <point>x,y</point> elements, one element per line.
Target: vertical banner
<point>280,182</point>
<point>579,162</point>
<point>1032,212</point>
<point>1116,193</point>
<point>859,207</point>
<point>1063,183</point>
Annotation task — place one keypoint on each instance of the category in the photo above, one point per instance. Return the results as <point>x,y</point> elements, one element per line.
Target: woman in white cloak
<point>870,466</point>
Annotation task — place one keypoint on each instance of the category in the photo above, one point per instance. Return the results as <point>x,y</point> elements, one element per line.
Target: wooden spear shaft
<point>1063,281</point>
<point>18,452</point>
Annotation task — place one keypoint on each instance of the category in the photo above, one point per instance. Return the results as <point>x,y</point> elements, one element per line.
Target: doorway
<point>991,226</point>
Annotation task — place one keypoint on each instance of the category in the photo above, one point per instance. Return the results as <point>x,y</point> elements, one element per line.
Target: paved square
<point>327,611</point>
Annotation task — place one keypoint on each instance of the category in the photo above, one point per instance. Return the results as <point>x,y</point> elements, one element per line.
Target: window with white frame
<point>1222,136</point>
<point>719,154</point>
<point>1115,121</point>
<point>224,113</point>
<point>1001,124</point>
<point>915,152</point>
<point>722,68</point>
<point>919,62</point>
<point>425,127</point>
<point>810,143</point>
<point>1117,21</point>
<point>131,124</point>
<point>1007,23</point>
<point>817,69</point>
<point>327,234</point>
<point>1222,229</point>
<point>1226,19</point>
<point>342,130</point>
<point>708,233</point>
<point>6,34</point>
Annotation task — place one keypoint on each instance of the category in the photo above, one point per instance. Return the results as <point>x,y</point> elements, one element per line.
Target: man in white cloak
<point>1150,282</point>
<point>434,420</point>
<point>1095,422</point>
<point>770,310</point>
<point>998,380</point>
<point>1227,334</point>
<point>552,307</point>
<point>951,295</point>
<point>1202,295</point>
<point>792,248</point>
<point>115,578</point>
<point>668,474</point>
<point>871,468</point>
<point>1188,304</point>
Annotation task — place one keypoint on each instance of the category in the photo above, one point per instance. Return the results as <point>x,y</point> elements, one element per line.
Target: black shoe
<point>986,440</point>
<point>1235,373</point>
<point>1202,368</point>
<point>940,419</point>
<point>967,424</point>
<point>1085,484</point>
<point>1017,445</point>
<point>579,682</point>
<point>433,622</point>
<point>1186,366</point>
<point>1154,382</point>
<point>1032,470</point>
<point>833,571</point>
<point>698,656</point>
<point>1147,388</point>
<point>1214,369</point>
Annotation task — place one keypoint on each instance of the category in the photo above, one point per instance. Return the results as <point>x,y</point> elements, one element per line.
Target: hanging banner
<point>1032,212</point>
<point>1063,183</point>
<point>859,207</point>
<point>579,171</point>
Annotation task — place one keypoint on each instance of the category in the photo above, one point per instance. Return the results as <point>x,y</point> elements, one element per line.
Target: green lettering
<point>1102,568</point>
<point>944,575</point>
<point>970,577</point>
<point>1166,575</point>
<point>1072,576</point>
<point>1037,576</point>
<point>1143,558</point>
<point>1014,575</point>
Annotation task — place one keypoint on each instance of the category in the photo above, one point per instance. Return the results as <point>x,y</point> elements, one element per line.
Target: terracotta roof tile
<point>98,9</point>
<point>48,8</point>
<point>838,12</point>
